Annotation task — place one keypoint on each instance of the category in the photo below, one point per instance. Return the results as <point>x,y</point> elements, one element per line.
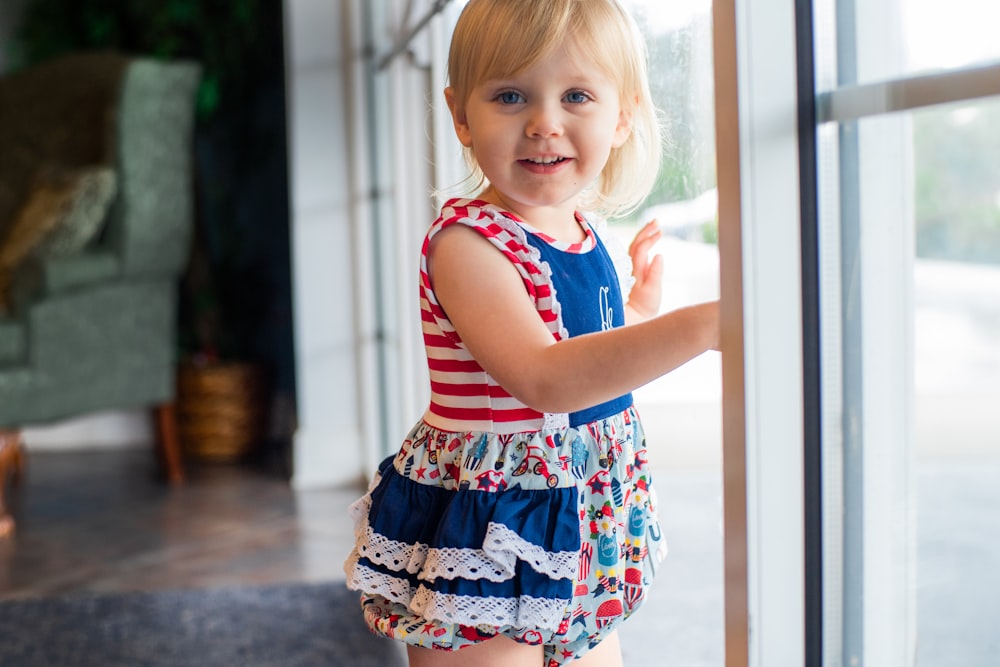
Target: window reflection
<point>957,363</point>
<point>682,410</point>
<point>946,35</point>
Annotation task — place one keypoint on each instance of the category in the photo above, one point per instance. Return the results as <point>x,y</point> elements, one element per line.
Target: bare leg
<point>497,652</point>
<point>606,654</point>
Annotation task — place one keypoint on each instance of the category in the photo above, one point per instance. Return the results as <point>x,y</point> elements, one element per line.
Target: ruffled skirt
<point>547,537</point>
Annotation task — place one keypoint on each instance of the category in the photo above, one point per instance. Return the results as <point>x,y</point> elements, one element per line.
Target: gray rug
<point>297,625</point>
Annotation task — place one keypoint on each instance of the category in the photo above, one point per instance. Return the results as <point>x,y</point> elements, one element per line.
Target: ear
<point>458,117</point>
<point>624,128</point>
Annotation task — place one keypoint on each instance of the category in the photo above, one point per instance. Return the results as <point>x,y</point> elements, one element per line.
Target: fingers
<point>654,271</point>
<point>646,293</point>
<point>644,239</point>
<point>640,249</point>
<point>712,325</point>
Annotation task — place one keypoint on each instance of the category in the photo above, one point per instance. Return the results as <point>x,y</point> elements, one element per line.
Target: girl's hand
<point>644,300</point>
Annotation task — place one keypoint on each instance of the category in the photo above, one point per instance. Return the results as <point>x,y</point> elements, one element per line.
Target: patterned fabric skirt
<point>548,537</point>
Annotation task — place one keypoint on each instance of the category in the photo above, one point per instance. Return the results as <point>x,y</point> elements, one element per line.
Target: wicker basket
<point>220,410</point>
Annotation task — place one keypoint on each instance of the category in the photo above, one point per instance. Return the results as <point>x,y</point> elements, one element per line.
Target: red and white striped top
<point>464,397</point>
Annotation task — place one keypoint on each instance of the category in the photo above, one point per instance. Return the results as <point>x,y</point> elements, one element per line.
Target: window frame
<point>853,602</point>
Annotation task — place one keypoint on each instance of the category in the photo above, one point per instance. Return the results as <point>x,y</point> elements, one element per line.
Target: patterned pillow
<point>63,212</point>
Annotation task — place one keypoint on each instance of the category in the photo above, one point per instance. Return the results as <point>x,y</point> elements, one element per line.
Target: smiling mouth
<point>545,161</point>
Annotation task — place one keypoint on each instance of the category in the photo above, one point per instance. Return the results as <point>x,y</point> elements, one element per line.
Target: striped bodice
<point>464,397</point>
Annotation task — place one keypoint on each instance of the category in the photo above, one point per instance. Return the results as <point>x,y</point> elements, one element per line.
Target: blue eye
<point>576,97</point>
<point>510,97</point>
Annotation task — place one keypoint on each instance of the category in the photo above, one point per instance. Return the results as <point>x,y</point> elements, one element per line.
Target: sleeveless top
<point>576,288</point>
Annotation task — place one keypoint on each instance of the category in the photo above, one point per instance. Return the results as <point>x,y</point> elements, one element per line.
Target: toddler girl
<point>516,522</point>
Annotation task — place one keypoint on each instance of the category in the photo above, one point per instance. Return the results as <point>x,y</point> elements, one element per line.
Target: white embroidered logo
<point>607,313</point>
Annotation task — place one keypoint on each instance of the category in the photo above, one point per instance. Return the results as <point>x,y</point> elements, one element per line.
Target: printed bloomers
<point>547,537</point>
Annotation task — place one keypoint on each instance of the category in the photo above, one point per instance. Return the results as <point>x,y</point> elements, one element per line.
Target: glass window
<point>682,411</point>
<point>956,366</point>
<point>945,35</point>
<point>916,36</point>
<point>682,408</point>
<point>910,246</point>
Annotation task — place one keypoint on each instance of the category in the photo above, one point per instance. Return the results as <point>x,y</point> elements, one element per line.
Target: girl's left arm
<point>647,291</point>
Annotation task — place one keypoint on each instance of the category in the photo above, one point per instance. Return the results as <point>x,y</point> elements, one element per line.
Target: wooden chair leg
<point>11,469</point>
<point>168,442</point>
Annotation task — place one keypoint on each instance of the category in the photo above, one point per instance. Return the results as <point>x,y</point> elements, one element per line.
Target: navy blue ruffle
<point>415,514</point>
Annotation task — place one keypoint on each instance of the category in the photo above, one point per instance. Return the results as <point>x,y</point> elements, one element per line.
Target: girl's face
<point>543,135</point>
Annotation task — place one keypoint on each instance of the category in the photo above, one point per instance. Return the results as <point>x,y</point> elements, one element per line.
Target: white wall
<point>325,199</point>
<point>362,170</point>
<point>102,430</point>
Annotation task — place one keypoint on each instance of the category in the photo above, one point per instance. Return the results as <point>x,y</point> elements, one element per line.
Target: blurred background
<point>313,167</point>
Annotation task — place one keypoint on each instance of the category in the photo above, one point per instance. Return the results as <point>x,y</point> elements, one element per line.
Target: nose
<point>545,120</point>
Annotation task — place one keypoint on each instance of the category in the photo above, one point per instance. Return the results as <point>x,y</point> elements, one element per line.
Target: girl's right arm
<point>485,300</point>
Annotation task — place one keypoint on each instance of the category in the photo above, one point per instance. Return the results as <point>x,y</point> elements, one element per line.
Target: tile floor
<point>99,521</point>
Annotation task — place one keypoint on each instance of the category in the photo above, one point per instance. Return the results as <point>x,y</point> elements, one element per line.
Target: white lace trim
<point>495,562</point>
<point>554,564</point>
<point>467,564</point>
<point>498,559</point>
<point>520,612</point>
<point>552,421</point>
<point>358,511</point>
<point>392,553</point>
<point>362,578</point>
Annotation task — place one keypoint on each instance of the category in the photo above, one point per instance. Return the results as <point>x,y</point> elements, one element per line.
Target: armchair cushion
<point>63,212</point>
<point>12,343</point>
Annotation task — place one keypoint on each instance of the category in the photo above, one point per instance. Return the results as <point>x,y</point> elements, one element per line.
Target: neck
<point>558,222</point>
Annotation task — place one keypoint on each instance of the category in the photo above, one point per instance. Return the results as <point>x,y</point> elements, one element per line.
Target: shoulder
<point>485,218</point>
<point>488,222</point>
<point>472,238</point>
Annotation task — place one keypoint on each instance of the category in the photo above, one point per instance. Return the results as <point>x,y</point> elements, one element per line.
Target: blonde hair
<point>498,39</point>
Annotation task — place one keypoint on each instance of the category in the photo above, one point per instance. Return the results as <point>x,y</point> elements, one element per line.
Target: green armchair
<point>95,228</point>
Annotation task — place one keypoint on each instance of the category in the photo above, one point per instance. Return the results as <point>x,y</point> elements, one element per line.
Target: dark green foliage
<point>229,38</point>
